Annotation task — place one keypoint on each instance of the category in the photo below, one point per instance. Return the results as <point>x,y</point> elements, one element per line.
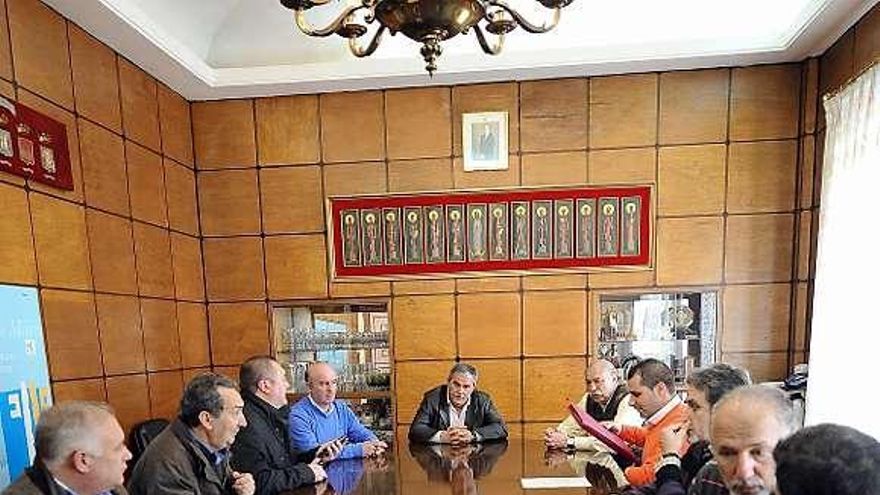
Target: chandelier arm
<point>307,4</point>
<point>359,50</point>
<point>306,27</point>
<point>484,44</point>
<point>523,22</point>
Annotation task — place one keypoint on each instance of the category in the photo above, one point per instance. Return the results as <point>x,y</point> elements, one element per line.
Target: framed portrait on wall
<point>484,141</point>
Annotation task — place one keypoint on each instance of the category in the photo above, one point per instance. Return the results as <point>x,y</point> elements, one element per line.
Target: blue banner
<point>24,378</point>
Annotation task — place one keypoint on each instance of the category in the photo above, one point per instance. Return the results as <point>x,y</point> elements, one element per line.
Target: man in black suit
<point>456,413</point>
<point>263,447</point>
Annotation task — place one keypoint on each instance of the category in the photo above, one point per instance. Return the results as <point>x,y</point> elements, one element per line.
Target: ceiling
<point>211,49</point>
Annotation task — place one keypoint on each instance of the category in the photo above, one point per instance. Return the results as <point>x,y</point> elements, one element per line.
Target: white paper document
<point>573,482</point>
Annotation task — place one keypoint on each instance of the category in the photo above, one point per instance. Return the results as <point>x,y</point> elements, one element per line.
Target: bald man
<point>607,399</point>
<point>747,424</point>
<point>319,418</point>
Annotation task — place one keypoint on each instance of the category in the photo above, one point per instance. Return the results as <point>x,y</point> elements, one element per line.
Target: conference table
<point>486,469</point>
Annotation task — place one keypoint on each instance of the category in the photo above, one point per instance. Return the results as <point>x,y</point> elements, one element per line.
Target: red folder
<point>606,436</point>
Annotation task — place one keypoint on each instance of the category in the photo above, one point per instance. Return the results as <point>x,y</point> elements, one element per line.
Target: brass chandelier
<point>426,21</point>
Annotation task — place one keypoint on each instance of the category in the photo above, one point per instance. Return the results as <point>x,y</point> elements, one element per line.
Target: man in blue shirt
<point>318,418</point>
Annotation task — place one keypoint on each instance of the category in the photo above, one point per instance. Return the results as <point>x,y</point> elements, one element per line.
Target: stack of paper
<point>537,483</point>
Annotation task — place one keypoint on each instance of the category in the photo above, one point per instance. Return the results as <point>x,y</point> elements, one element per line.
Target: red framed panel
<point>34,146</point>
<point>475,233</point>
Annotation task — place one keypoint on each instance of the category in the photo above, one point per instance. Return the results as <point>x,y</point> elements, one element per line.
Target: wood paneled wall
<point>722,145</point>
<point>117,260</point>
<point>735,154</point>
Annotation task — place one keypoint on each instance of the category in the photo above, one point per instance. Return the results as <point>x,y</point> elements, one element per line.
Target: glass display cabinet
<point>354,338</point>
<point>678,328</point>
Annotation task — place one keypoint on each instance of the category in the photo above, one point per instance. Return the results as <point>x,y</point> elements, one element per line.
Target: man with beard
<point>606,400</point>
<point>705,387</point>
<point>652,390</point>
<point>457,413</point>
<point>746,425</point>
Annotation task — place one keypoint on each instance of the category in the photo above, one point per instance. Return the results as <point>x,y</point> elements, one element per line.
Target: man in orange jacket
<point>652,392</point>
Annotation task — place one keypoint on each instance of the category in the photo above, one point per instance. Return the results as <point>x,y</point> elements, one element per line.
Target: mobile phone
<point>322,455</point>
<point>342,440</point>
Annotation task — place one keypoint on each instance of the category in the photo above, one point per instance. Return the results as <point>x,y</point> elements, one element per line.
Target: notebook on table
<point>606,436</point>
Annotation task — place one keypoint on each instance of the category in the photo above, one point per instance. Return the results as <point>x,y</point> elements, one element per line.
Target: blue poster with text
<point>24,378</point>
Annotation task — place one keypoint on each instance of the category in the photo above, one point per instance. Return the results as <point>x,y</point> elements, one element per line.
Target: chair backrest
<point>141,436</point>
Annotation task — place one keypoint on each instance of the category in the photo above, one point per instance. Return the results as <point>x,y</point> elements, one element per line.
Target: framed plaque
<point>609,232</point>
<point>586,227</point>
<point>435,234</point>
<point>393,243</point>
<point>476,232</point>
<point>499,232</point>
<point>503,232</point>
<point>414,247</point>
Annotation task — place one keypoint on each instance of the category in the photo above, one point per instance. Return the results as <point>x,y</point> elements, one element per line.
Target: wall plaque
<point>501,232</point>
<point>33,146</point>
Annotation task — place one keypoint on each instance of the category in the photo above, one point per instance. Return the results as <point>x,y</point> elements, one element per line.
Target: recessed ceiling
<point>211,49</point>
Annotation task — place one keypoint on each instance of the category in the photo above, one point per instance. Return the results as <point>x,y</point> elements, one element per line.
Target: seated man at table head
<point>263,447</point>
<point>607,399</point>
<point>456,412</point>
<point>705,387</point>
<point>191,456</point>
<point>80,449</point>
<point>746,425</point>
<point>319,418</point>
<point>652,392</point>
<point>826,459</point>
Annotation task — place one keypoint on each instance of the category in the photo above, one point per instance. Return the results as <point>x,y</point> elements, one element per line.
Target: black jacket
<point>37,480</point>
<point>677,480</point>
<point>263,449</point>
<point>433,415</point>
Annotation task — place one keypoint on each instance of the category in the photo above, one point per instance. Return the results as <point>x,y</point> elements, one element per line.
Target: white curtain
<point>844,350</point>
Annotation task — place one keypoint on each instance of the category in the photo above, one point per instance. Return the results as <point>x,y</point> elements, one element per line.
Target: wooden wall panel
<point>572,131</point>
<point>94,264</point>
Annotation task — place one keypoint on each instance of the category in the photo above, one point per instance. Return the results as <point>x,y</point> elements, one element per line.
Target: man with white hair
<point>80,450</point>
<point>607,399</point>
<point>747,424</point>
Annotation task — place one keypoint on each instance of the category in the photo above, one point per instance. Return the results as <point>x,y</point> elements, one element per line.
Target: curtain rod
<point>834,92</point>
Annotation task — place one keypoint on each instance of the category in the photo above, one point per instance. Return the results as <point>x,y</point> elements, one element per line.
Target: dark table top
<point>487,469</point>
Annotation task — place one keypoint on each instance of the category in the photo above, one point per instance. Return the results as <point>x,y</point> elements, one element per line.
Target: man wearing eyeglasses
<point>191,456</point>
